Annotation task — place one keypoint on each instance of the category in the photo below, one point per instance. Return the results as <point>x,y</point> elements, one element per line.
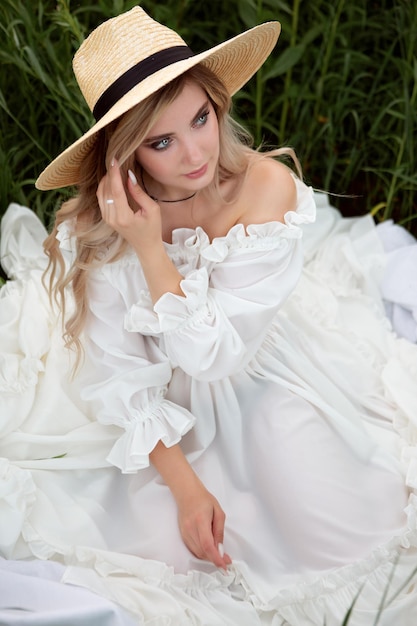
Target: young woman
<point>237,448</point>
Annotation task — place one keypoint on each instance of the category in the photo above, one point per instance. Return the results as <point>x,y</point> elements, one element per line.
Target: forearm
<point>160,273</point>
<point>200,517</point>
<point>174,468</point>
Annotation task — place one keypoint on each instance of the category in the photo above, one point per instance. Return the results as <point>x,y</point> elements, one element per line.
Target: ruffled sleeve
<point>231,298</point>
<point>67,241</point>
<point>125,377</point>
<point>22,235</point>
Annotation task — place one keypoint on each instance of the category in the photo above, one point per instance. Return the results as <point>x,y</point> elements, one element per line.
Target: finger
<point>105,199</point>
<point>223,554</point>
<point>189,533</point>
<point>116,207</point>
<point>108,188</point>
<point>138,194</point>
<point>197,535</point>
<point>209,546</point>
<point>107,206</point>
<point>219,519</point>
<point>100,193</point>
<point>217,557</point>
<point>116,186</point>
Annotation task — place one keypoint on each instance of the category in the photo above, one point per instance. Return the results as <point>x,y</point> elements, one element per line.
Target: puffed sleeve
<point>229,302</point>
<point>124,380</point>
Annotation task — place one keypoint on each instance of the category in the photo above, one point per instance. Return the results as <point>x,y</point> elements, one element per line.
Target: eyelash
<point>157,144</point>
<point>200,121</point>
<point>203,116</point>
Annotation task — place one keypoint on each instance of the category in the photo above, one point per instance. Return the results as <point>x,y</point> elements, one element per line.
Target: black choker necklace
<point>156,199</point>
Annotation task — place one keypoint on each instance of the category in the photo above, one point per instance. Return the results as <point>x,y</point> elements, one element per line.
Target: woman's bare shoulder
<point>268,192</point>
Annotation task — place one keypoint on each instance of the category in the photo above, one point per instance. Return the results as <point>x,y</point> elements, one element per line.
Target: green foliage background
<point>340,87</point>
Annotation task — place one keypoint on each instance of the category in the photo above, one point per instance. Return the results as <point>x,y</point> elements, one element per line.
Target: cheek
<point>215,141</point>
<point>151,162</point>
<point>143,158</point>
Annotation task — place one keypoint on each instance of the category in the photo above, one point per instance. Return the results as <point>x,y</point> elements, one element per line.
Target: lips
<point>198,173</point>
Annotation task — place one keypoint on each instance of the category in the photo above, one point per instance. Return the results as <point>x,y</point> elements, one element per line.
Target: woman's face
<point>181,151</point>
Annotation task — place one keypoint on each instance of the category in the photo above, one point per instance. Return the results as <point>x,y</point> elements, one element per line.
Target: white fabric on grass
<point>291,394</point>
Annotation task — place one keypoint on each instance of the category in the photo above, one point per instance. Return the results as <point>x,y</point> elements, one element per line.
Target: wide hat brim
<point>234,61</point>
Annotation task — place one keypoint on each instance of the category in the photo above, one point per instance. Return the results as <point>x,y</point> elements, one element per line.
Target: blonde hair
<point>96,242</point>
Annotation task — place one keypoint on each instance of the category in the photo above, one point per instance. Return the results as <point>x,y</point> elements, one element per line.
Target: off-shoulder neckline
<point>194,240</point>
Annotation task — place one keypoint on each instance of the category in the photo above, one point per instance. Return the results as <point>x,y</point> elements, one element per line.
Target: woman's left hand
<point>201,521</point>
<point>200,517</point>
<point>142,229</point>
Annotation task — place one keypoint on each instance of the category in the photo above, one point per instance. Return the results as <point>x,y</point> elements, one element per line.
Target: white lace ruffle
<point>164,421</point>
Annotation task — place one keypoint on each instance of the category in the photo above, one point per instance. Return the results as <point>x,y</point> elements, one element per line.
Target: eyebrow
<point>155,138</point>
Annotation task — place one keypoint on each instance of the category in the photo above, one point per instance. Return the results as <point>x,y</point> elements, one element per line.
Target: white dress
<point>293,398</point>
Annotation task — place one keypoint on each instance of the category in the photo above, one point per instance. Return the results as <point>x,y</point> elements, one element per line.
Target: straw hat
<point>130,57</point>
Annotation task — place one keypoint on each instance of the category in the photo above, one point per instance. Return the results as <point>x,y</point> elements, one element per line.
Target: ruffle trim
<point>25,325</point>
<point>130,580</point>
<point>166,422</point>
<point>171,312</point>
<point>22,234</point>
<point>24,260</point>
<point>17,374</point>
<point>17,496</point>
<point>188,244</point>
<point>327,598</point>
<point>266,236</point>
<point>196,597</point>
<point>153,592</point>
<point>65,236</point>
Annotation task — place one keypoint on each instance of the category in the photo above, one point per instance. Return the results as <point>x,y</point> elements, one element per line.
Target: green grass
<point>340,87</point>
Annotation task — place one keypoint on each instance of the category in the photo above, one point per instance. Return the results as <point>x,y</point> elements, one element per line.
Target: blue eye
<point>161,145</point>
<point>202,119</point>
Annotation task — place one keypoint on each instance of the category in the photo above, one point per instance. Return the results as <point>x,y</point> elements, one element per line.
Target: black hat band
<point>134,75</point>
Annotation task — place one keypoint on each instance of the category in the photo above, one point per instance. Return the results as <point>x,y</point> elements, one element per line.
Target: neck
<point>160,199</point>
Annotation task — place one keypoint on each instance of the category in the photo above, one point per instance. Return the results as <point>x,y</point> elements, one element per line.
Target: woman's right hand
<point>142,227</point>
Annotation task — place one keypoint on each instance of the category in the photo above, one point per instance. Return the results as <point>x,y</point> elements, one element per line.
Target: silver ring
<point>109,201</point>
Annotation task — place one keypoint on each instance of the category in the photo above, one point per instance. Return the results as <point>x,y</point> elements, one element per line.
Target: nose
<point>192,151</point>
